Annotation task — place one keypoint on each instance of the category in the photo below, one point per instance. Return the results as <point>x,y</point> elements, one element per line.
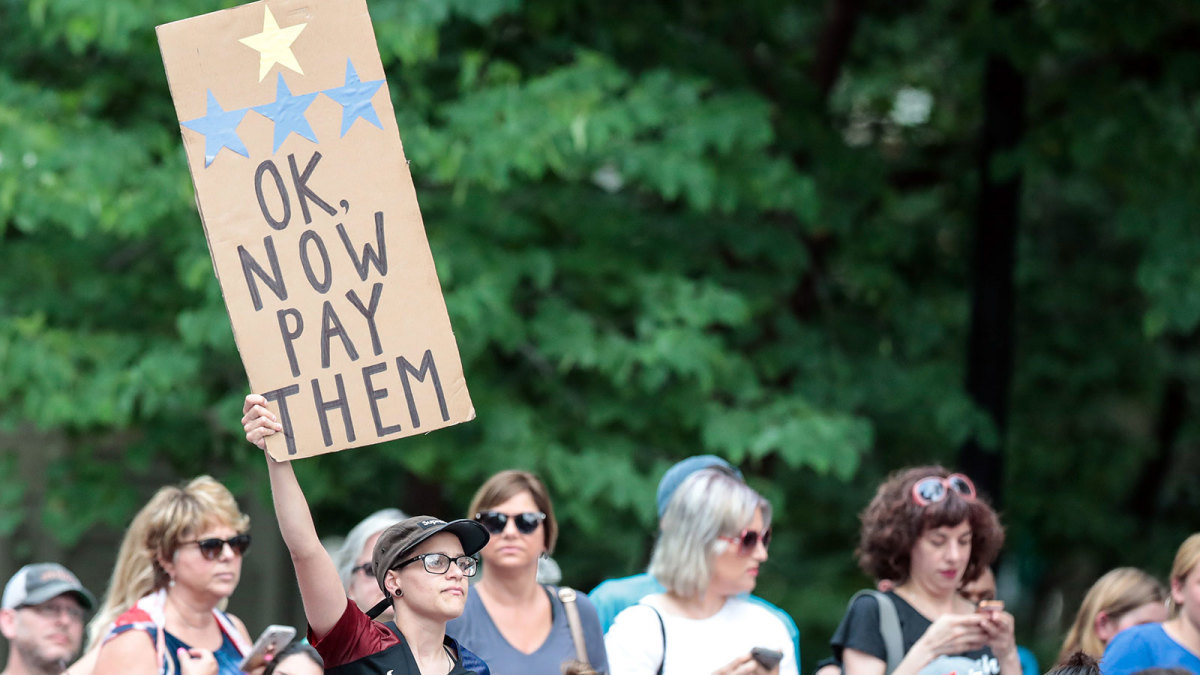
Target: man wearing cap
<point>41,616</point>
<point>614,595</point>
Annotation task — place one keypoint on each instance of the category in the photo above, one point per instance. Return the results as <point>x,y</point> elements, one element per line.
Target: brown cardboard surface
<point>312,222</point>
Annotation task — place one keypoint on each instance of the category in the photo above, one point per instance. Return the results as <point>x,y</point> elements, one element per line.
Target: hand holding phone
<point>271,641</point>
<point>767,658</point>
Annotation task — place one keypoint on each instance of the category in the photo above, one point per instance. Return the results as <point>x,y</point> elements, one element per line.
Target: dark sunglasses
<point>932,489</point>
<point>495,521</point>
<point>211,548</point>
<point>748,540</point>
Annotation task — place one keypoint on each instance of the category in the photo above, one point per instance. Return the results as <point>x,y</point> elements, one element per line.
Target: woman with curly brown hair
<point>928,531</point>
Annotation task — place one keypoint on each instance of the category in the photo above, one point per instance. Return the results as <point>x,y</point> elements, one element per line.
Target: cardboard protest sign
<point>312,222</point>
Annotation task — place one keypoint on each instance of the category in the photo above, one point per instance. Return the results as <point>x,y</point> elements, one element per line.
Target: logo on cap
<point>52,574</point>
<point>428,523</point>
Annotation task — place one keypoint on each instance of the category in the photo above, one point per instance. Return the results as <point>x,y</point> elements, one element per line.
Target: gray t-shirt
<point>476,631</point>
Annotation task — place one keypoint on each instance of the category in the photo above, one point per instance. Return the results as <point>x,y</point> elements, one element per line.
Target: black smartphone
<point>767,658</point>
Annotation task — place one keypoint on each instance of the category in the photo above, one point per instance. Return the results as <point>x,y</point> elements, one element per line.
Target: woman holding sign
<point>421,564</point>
<point>515,623</point>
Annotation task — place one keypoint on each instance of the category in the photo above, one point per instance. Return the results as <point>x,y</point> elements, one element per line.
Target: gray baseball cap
<point>38,582</point>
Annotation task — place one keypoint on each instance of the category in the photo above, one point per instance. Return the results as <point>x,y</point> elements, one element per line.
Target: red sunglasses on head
<point>932,489</point>
<point>748,540</point>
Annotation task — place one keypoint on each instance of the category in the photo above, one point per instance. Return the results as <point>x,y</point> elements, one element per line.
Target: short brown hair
<point>510,483</point>
<point>892,523</point>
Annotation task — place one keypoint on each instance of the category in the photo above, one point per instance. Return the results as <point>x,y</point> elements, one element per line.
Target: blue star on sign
<point>355,98</point>
<point>287,112</point>
<point>220,130</point>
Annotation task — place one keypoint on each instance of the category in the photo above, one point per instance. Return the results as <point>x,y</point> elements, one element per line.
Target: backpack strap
<point>889,627</point>
<point>567,596</point>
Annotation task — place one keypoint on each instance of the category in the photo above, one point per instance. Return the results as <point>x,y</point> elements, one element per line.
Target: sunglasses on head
<point>495,521</point>
<point>748,540</point>
<point>932,489</point>
<point>211,548</point>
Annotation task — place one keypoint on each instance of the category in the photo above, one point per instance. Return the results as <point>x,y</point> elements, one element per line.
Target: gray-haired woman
<point>714,538</point>
<point>353,560</point>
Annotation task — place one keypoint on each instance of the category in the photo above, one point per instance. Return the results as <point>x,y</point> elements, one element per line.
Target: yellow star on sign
<point>274,45</point>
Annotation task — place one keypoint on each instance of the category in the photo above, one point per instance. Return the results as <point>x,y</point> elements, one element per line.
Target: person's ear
<point>168,566</point>
<point>1105,627</point>
<point>1177,591</point>
<point>391,582</point>
<point>8,623</point>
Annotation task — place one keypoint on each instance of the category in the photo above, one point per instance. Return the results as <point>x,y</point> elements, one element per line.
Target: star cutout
<point>355,98</point>
<point>274,45</point>
<point>287,112</point>
<point>220,130</point>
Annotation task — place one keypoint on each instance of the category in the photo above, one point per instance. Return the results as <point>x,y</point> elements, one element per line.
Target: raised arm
<point>320,587</point>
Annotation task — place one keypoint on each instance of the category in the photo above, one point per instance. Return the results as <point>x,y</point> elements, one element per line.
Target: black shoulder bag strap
<point>663,628</point>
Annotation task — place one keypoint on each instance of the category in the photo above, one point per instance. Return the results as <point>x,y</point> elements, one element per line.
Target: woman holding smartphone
<point>420,564</point>
<point>927,530</point>
<point>714,538</point>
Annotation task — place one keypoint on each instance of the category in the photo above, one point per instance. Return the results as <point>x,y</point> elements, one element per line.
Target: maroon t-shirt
<point>356,645</point>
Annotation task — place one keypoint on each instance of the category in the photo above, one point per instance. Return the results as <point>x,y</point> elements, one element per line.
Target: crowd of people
<point>420,595</point>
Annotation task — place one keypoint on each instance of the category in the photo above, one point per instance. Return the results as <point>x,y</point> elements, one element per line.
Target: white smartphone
<point>272,640</point>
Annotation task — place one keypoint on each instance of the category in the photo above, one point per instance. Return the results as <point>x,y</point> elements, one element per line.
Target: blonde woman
<point>714,539</point>
<point>1122,598</point>
<point>1176,641</point>
<point>180,559</point>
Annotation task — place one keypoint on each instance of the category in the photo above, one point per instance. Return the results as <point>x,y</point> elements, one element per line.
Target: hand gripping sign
<point>312,222</point>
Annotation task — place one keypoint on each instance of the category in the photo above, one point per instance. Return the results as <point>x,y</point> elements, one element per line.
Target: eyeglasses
<point>495,521</point>
<point>211,549</point>
<point>748,540</point>
<point>48,611</point>
<point>439,563</point>
<point>932,489</point>
<point>367,568</point>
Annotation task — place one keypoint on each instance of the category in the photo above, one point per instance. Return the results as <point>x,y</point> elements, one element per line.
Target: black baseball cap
<point>399,540</point>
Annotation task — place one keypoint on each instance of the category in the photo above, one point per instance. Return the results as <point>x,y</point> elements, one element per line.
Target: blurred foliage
<point>657,237</point>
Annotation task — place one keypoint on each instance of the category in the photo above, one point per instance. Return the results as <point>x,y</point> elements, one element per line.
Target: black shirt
<point>859,630</point>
